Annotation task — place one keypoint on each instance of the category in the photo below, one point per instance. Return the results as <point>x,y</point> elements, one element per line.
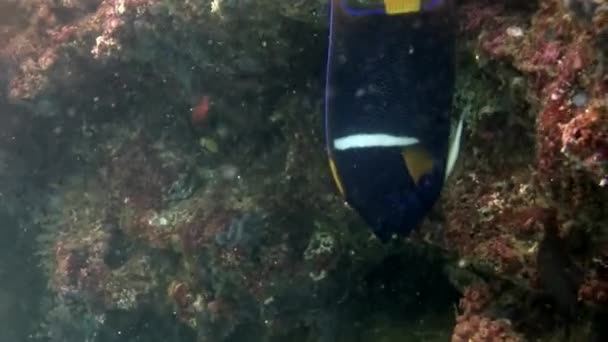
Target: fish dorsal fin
<point>418,161</point>
<point>454,148</point>
<point>401,6</point>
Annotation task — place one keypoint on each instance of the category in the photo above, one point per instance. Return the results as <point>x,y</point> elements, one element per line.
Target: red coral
<point>181,295</point>
<point>67,268</point>
<point>483,329</point>
<point>529,221</point>
<point>218,308</point>
<point>475,15</point>
<point>595,291</point>
<point>585,141</point>
<point>63,34</point>
<point>555,111</point>
<point>80,270</point>
<point>541,58</point>
<point>501,251</point>
<point>473,325</point>
<point>553,52</point>
<point>141,172</point>
<point>202,228</point>
<point>138,176</point>
<point>146,227</point>
<point>475,298</point>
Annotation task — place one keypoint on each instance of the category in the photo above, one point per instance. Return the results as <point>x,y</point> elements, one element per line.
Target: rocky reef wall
<point>167,159</point>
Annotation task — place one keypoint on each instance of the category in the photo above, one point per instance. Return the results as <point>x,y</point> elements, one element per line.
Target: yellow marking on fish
<point>418,161</point>
<point>401,6</point>
<point>334,173</point>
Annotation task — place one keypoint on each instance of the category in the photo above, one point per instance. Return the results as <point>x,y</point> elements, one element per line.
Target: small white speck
<point>318,276</point>
<point>215,6</point>
<point>515,31</point>
<point>120,7</point>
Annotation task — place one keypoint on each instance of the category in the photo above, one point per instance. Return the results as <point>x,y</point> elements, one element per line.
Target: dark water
<point>22,282</point>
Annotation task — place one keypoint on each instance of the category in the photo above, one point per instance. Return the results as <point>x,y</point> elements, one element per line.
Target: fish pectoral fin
<point>454,148</point>
<point>418,161</point>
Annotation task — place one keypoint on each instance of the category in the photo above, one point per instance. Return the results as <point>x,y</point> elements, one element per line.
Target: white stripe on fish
<point>373,140</point>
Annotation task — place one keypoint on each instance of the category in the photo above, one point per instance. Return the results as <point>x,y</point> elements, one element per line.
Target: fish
<point>559,275</point>
<point>389,132</point>
<point>200,112</point>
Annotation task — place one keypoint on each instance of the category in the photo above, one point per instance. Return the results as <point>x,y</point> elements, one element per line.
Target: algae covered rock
<point>175,178</point>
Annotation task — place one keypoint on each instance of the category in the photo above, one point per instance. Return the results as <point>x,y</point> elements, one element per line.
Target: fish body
<point>200,112</point>
<point>558,274</point>
<point>388,114</point>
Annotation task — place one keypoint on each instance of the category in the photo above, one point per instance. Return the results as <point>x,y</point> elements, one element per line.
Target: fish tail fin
<point>454,148</point>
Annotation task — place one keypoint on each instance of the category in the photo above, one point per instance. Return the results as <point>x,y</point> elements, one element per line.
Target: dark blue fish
<point>390,81</point>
